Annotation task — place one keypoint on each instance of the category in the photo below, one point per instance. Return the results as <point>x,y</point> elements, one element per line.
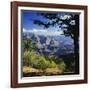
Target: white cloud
<point>64,25</point>
<point>44,32</point>
<point>72,22</point>
<point>65,17</point>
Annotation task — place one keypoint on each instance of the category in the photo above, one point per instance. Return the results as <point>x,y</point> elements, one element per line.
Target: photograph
<point>50,43</point>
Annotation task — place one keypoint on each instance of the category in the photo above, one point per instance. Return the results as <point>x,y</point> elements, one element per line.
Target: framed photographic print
<point>48,44</point>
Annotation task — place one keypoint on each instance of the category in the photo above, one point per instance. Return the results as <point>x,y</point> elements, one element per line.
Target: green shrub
<point>51,64</point>
<point>38,61</point>
<point>41,64</point>
<point>26,58</point>
<point>62,65</point>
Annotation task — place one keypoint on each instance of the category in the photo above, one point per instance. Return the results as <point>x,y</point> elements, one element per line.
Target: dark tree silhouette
<point>69,23</point>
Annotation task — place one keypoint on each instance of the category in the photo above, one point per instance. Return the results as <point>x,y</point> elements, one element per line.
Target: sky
<point>27,19</point>
<point>30,27</point>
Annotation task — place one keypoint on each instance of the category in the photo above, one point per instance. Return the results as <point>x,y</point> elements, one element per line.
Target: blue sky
<point>27,19</point>
<point>29,27</point>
